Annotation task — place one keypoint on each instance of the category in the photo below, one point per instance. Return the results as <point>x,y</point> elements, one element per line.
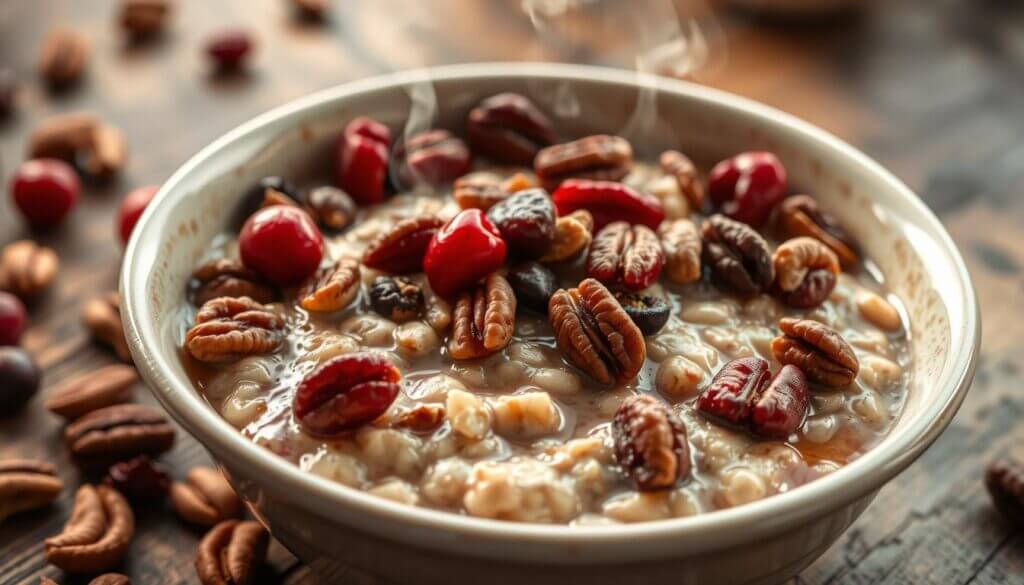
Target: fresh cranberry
<point>45,190</point>
<point>282,244</point>
<point>369,128</point>
<point>462,252</point>
<point>346,393</point>
<point>229,48</point>
<point>361,160</point>
<point>608,201</point>
<point>139,479</point>
<point>13,319</point>
<point>434,157</point>
<point>131,209</point>
<point>748,186</point>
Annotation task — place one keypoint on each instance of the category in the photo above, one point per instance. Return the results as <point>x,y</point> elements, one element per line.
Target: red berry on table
<point>462,252</point>
<point>229,48</point>
<point>608,201</point>
<point>45,190</point>
<point>361,160</point>
<point>13,319</point>
<point>282,244</point>
<point>132,206</point>
<point>748,186</point>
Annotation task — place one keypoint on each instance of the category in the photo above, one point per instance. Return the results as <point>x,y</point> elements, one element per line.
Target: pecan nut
<point>102,317</point>
<point>596,334</point>
<point>650,443</point>
<point>143,18</point>
<point>600,157</point>
<point>484,319</point>
<point>96,535</point>
<point>402,249</point>
<point>421,418</point>
<point>682,168</point>
<point>205,497</point>
<point>508,128</point>
<point>738,255</point>
<point>680,239</point>
<point>823,355</point>
<point>626,254</point>
<point>118,432</point>
<point>27,269</point>
<point>228,277</point>
<point>231,552</point>
<point>479,191</point>
<point>93,390</point>
<point>1004,480</point>
<point>331,207</point>
<point>333,288</point>
<point>794,259</point>
<point>800,215</point>
<point>573,234</point>
<point>26,484</point>
<point>107,153</point>
<point>63,56</point>
<point>229,329</point>
<point>100,149</point>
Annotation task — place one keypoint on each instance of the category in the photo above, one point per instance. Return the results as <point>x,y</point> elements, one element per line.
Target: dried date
<point>600,157</point>
<point>397,298</point>
<point>508,128</point>
<point>823,355</point>
<point>228,329</point>
<point>800,215</point>
<point>649,312</point>
<point>433,157</point>
<point>526,222</point>
<point>737,255</point>
<point>650,443</point>
<point>483,320</point>
<point>331,207</point>
<point>625,254</point>
<point>533,284</point>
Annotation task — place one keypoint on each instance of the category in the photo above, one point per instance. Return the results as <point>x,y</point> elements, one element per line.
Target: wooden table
<point>933,89</point>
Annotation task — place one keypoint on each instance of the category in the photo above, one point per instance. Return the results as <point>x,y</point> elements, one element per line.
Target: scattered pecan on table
<point>102,317</point>
<point>27,269</point>
<point>231,552</point>
<point>27,484</point>
<point>96,535</point>
<point>118,432</point>
<point>91,391</point>
<point>204,497</point>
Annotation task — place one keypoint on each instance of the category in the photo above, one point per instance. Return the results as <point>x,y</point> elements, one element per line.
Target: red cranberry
<point>748,186</point>
<point>282,244</point>
<point>608,201</point>
<point>131,209</point>
<point>139,479</point>
<point>361,160</point>
<point>45,191</point>
<point>13,319</point>
<point>434,157</point>
<point>19,379</point>
<point>462,252</point>
<point>229,48</point>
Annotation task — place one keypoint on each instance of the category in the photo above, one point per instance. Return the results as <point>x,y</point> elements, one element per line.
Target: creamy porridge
<point>430,361</point>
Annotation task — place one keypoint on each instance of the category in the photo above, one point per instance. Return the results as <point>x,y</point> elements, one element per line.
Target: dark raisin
<point>649,312</point>
<point>533,284</point>
<point>396,297</point>
<point>526,221</point>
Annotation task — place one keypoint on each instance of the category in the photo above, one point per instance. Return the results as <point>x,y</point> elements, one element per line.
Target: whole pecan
<point>332,288</point>
<point>143,18</point>
<point>596,334</point>
<point>800,215</point>
<point>680,240</point>
<point>626,254</point>
<point>228,277</point>
<point>738,255</point>
<point>91,391</point>
<point>572,236</point>
<point>484,319</point>
<point>205,497</point>
<point>229,329</point>
<point>63,56</point>
<point>96,535</point>
<point>819,351</point>
<point>508,128</point>
<point>794,259</point>
<point>331,207</point>
<point>682,168</point>
<point>1004,479</point>
<point>401,249</point>
<point>479,191</point>
<point>600,157</point>
<point>102,317</point>
<point>63,136</point>
<point>27,269</point>
<point>118,432</point>
<point>26,484</point>
<point>650,443</point>
<point>230,553</point>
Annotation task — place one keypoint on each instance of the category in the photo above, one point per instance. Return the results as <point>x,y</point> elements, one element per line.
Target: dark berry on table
<point>462,252</point>
<point>533,284</point>
<point>361,160</point>
<point>748,186</point>
<point>434,157</point>
<point>526,221</point>
<point>1004,480</point>
<point>396,297</point>
<point>345,393</point>
<point>608,201</point>
<point>282,244</point>
<point>8,92</point>
<point>131,209</point>
<point>44,190</point>
<point>13,319</point>
<point>139,479</point>
<point>19,379</point>
<point>649,312</point>
<point>229,48</point>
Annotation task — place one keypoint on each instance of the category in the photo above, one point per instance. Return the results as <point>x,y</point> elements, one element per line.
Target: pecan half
<point>1004,480</point>
<point>600,157</point>
<point>230,552</point>
<point>508,128</point>
<point>572,236</point>
<point>738,255</point>
<point>819,351</point>
<point>63,136</point>
<point>91,391</point>
<point>143,18</point>
<point>107,153</point>
<point>650,443</point>
<point>797,257</point>
<point>626,254</point>
<point>228,277</point>
<point>63,56</point>
<point>229,329</point>
<point>479,191</point>
<point>332,288</point>
<point>118,432</point>
<point>205,497</point>
<point>680,239</point>
<point>96,535</point>
<point>682,168</point>
<point>484,319</point>
<point>26,484</point>
<point>102,317</point>
<point>421,418</point>
<point>401,249</point>
<point>331,207</point>
<point>596,334</point>
<point>800,215</point>
<point>27,269</point>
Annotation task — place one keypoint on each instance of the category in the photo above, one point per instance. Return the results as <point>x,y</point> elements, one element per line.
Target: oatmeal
<point>587,340</point>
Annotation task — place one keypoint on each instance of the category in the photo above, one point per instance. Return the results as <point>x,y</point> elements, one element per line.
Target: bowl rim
<point>320,496</point>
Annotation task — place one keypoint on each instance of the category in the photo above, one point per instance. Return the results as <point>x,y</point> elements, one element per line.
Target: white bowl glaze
<point>342,531</point>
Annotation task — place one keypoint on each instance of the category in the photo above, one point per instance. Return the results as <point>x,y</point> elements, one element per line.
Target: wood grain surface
<point>931,88</point>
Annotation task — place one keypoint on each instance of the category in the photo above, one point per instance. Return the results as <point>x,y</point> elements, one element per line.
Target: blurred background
<point>933,89</point>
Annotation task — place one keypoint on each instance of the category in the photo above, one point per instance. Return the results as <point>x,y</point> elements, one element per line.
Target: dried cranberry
<point>19,379</point>
<point>779,411</point>
<point>13,319</point>
<point>131,209</point>
<point>648,312</point>
<point>534,285</point>
<point>728,396</point>
<point>45,190</point>
<point>139,479</point>
<point>361,160</point>
<point>608,201</point>
<point>747,187</point>
<point>282,244</point>
<point>434,157</point>
<point>744,394</point>
<point>462,252</point>
<point>229,48</point>
<point>346,393</point>
<point>508,128</point>
<point>526,221</point>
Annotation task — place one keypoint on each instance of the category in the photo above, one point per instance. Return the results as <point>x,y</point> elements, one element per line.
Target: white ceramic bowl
<point>341,531</point>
